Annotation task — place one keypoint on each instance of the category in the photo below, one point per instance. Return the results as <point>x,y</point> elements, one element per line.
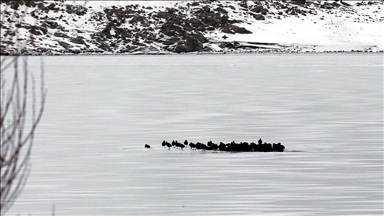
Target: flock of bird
<point>233,146</point>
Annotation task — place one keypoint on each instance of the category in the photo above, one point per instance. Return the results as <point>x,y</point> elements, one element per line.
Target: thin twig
<point>16,135</point>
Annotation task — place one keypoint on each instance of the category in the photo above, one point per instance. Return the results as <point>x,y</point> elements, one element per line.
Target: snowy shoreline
<point>200,27</point>
<point>202,53</point>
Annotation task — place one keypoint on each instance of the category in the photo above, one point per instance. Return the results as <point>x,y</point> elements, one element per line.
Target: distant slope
<point>109,27</point>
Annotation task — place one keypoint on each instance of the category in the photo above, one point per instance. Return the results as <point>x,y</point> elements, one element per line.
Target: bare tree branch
<point>21,112</point>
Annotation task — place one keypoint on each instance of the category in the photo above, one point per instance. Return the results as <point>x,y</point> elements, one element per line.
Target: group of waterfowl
<point>233,146</point>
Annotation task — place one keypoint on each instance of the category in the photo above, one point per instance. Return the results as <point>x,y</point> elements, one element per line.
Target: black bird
<point>204,147</point>
<point>254,146</point>
<point>267,147</point>
<point>210,143</point>
<point>278,147</point>
<point>181,146</point>
<point>215,146</point>
<point>199,145</point>
<point>169,145</point>
<point>222,147</point>
<point>186,142</point>
<point>260,141</point>
<point>147,146</point>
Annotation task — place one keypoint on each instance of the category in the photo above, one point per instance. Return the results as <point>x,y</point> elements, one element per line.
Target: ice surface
<point>89,156</point>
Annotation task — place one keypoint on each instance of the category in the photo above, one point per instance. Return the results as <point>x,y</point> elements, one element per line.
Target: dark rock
<point>52,24</point>
<point>345,3</point>
<point>258,17</point>
<point>195,3</point>
<point>264,12</point>
<point>194,21</point>
<point>139,19</point>
<point>221,10</point>
<point>232,7</point>
<point>76,9</point>
<point>171,41</point>
<point>299,2</point>
<point>206,8</point>
<point>257,9</point>
<point>130,49</point>
<point>60,34</point>
<point>40,5</point>
<point>78,40</point>
<point>233,29</point>
<point>199,37</point>
<point>37,30</point>
<point>135,42</point>
<point>163,15</point>
<point>169,28</point>
<point>53,7</point>
<point>292,12</point>
<point>227,45</point>
<point>123,33</point>
<point>327,5</point>
<point>65,45</point>
<point>190,44</point>
<point>335,4</point>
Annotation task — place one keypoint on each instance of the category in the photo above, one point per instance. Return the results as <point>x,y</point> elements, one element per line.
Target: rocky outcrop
<point>37,30</point>
<point>258,16</point>
<point>65,27</point>
<point>234,29</point>
<point>189,44</point>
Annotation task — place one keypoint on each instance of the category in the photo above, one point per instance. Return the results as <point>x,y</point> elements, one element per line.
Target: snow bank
<point>97,27</point>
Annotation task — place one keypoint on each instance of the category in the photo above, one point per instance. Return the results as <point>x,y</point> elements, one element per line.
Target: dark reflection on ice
<point>89,157</point>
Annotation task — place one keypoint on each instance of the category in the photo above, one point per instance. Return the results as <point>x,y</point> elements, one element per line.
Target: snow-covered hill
<point>53,27</point>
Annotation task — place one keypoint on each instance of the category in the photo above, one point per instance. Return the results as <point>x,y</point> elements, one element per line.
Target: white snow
<point>335,34</point>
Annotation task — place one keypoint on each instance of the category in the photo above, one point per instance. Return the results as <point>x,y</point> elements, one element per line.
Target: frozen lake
<point>89,156</point>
